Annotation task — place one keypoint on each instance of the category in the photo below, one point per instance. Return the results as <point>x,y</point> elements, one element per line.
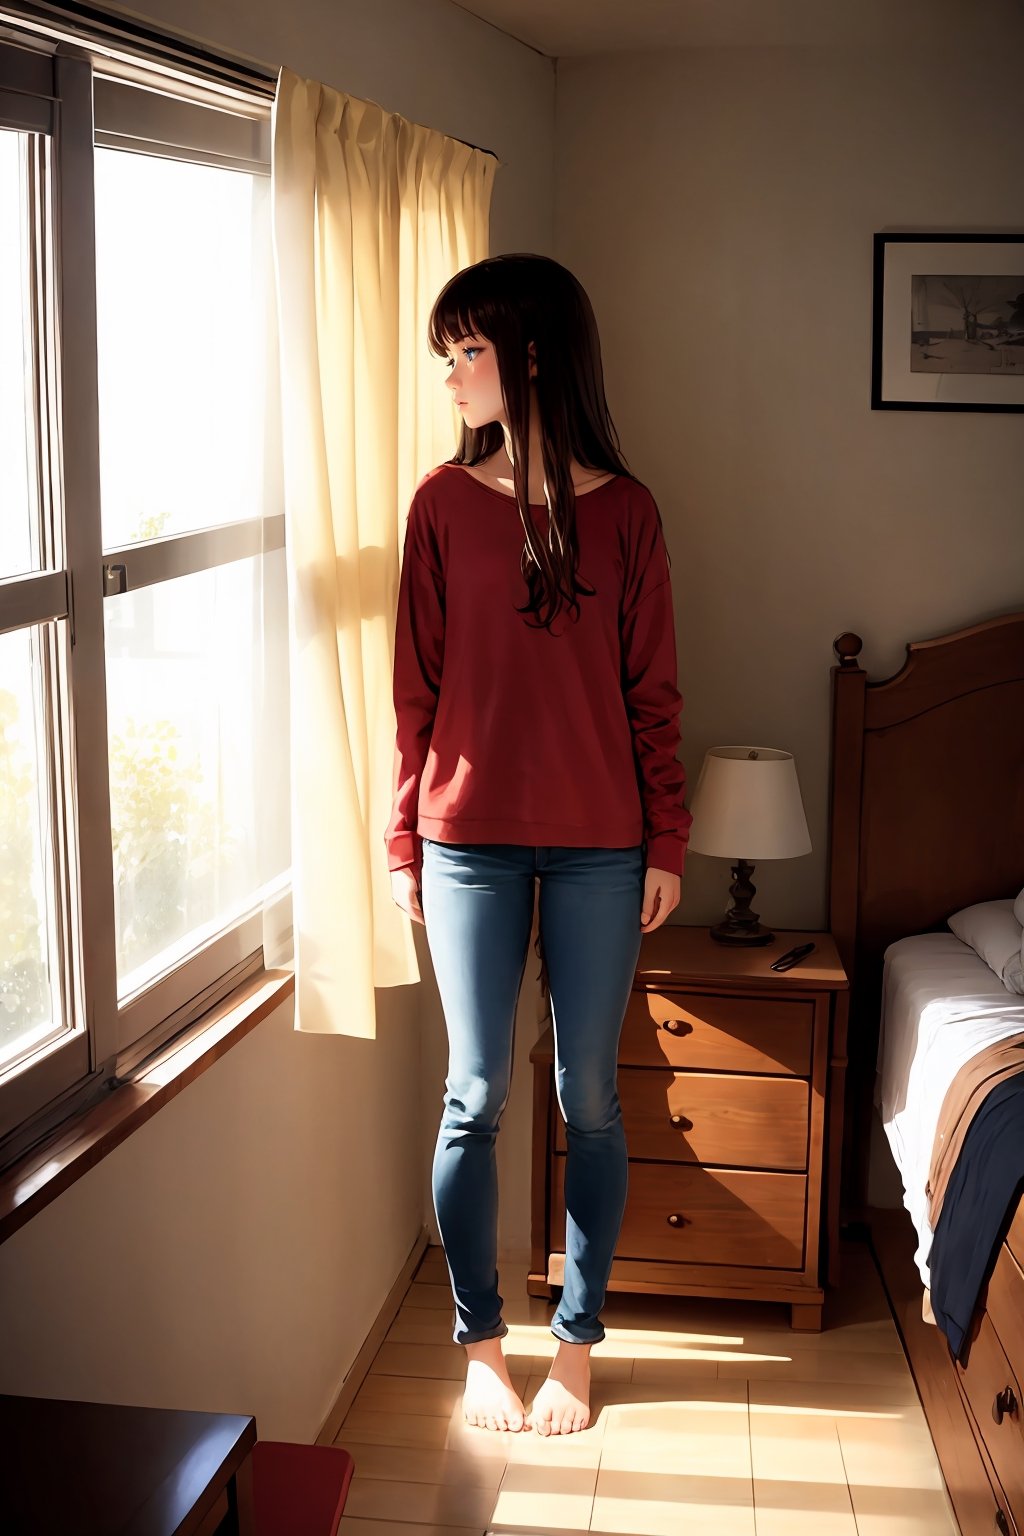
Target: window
<point>143,666</point>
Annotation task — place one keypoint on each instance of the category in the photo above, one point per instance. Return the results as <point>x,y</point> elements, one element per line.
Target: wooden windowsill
<point>79,1144</point>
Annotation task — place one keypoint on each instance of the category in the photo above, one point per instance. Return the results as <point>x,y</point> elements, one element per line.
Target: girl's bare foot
<point>563,1403</point>
<point>490,1400</point>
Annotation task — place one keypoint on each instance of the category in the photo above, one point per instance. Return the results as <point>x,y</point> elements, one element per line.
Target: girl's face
<point>474,381</point>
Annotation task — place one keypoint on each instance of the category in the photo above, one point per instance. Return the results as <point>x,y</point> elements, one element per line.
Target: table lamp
<point>747,805</point>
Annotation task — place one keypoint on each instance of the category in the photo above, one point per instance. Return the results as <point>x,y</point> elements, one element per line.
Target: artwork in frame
<point>948,329</point>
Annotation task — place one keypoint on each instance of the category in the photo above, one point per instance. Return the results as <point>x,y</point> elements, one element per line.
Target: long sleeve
<point>654,704</point>
<point>508,735</point>
<point>419,656</point>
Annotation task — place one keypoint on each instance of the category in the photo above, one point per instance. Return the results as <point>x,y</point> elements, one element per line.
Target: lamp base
<point>727,933</point>
<point>741,925</point>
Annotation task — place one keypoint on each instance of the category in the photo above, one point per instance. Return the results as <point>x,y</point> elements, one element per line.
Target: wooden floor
<point>708,1417</point>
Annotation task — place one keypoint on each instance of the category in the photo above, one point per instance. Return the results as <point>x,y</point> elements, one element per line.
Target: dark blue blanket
<point>981,1197</point>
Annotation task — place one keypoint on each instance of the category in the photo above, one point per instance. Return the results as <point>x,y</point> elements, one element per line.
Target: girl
<point>535,738</point>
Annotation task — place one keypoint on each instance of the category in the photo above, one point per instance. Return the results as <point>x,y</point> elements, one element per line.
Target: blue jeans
<point>477,901</point>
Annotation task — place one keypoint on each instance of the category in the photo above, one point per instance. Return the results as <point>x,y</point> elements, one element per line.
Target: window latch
<point>115,578</point>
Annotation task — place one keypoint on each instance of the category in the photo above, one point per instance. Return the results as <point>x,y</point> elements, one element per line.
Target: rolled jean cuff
<point>574,1333</point>
<point>471,1336</point>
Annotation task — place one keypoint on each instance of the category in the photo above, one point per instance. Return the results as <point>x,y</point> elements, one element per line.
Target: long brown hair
<point>511,300</point>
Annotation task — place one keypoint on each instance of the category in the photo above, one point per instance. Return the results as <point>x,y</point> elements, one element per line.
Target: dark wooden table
<point>105,1469</point>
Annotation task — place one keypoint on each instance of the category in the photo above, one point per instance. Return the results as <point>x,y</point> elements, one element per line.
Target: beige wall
<point>719,206</point>
<point>234,1252</point>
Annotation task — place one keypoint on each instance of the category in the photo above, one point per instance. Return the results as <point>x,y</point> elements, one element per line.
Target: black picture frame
<point>909,289</point>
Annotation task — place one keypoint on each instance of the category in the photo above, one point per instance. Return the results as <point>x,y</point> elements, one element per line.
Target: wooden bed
<point>927,816</point>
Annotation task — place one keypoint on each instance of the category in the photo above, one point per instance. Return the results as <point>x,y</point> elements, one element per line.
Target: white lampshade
<point>747,806</point>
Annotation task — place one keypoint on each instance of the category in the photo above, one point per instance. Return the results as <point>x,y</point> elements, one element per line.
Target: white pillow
<point>1018,908</point>
<point>993,932</point>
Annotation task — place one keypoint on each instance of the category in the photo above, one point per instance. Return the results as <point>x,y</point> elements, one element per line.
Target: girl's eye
<point>466,352</point>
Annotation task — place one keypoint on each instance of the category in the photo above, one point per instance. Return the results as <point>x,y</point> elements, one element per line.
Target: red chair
<point>299,1490</point>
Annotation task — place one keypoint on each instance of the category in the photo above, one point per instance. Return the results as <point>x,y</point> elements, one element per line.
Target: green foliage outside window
<point>24,986</point>
<point>150,527</point>
<point>169,851</point>
<point>172,859</point>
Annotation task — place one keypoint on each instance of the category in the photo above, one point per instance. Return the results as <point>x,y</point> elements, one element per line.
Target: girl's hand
<point>406,893</point>
<point>661,894</point>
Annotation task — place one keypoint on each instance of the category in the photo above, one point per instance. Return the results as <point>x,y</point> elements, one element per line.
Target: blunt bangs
<point>472,303</point>
<point>451,322</point>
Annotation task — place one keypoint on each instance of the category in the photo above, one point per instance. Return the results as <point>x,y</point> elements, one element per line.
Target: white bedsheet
<point>941,1005</point>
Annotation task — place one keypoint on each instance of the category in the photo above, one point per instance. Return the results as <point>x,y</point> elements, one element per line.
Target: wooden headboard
<point>926,816</point>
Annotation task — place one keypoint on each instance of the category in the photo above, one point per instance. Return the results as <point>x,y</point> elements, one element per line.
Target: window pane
<point>30,1007</point>
<point>183,294</point>
<point>19,486</point>
<point>196,725</point>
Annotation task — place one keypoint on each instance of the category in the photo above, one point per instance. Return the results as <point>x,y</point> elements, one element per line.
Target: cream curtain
<point>372,216</point>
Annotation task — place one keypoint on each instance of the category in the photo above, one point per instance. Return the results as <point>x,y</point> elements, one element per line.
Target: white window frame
<point>75,98</point>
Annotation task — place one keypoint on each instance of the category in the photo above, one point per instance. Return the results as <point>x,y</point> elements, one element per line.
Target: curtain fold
<point>372,215</point>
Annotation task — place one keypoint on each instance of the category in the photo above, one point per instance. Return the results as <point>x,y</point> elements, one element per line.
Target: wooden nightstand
<point>731,1081</point>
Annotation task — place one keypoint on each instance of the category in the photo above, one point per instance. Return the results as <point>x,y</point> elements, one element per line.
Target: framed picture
<point>948,323</point>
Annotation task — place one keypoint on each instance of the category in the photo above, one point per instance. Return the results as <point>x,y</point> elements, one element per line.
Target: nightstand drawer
<point>746,1122</point>
<point>725,1034</point>
<point>739,1197</point>
<point>704,1215</point>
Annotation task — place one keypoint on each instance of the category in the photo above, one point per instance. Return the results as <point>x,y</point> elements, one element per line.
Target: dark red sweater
<point>512,734</point>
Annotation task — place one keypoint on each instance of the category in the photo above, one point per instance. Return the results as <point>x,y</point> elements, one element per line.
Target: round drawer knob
<point>675,1220</point>
<point>681,1122</point>
<point>674,1026</point>
<point>1006,1402</point>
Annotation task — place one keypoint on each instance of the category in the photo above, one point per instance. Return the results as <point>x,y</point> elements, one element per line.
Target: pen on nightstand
<point>791,957</point>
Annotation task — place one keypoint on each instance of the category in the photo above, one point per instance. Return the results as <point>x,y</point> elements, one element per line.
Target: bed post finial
<point>847,647</point>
